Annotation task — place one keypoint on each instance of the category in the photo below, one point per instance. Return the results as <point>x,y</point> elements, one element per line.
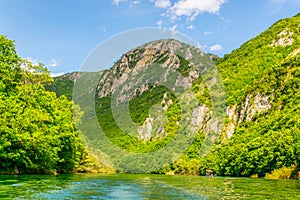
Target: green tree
<point>37,130</point>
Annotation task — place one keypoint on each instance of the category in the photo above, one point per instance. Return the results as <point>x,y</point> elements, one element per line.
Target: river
<point>129,186</point>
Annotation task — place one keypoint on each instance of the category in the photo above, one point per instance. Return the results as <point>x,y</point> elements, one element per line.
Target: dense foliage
<point>271,140</point>
<point>61,86</point>
<point>139,111</point>
<point>37,130</point>
<point>249,62</point>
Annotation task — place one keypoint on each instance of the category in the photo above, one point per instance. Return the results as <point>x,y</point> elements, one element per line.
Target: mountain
<point>253,128</point>
<point>157,80</point>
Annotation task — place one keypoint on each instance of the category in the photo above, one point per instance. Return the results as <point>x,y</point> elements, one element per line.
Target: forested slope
<point>261,131</point>
<point>266,66</point>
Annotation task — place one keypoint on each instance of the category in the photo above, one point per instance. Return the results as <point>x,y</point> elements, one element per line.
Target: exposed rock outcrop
<point>285,39</point>
<point>253,104</point>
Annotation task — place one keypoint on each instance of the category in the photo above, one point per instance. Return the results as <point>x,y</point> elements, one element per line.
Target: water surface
<point>128,186</point>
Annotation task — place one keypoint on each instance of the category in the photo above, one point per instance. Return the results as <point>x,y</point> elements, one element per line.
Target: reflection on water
<point>127,186</point>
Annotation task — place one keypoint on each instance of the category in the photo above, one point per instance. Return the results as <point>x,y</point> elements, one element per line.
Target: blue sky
<point>61,33</point>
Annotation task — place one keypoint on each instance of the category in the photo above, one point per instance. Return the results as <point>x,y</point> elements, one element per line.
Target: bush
<point>285,173</point>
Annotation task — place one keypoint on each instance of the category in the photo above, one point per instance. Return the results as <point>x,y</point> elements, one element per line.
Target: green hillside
<point>272,138</point>
<point>247,64</point>
<point>261,131</point>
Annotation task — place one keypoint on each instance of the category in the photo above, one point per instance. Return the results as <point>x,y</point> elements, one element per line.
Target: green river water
<point>129,186</point>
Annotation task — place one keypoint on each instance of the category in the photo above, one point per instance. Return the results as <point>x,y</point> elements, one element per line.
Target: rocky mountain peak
<point>169,54</point>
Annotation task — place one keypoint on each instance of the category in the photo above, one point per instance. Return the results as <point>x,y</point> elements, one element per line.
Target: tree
<point>37,130</point>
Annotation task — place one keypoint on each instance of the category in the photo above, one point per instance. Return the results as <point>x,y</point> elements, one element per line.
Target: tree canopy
<point>37,130</point>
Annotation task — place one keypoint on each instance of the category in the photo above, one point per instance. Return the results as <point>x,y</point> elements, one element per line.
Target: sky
<point>61,33</point>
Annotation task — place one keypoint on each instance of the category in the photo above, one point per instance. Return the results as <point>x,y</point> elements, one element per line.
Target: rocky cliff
<point>147,68</point>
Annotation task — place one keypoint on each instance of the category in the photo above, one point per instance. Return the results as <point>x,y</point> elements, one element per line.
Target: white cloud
<point>159,23</point>
<point>162,3</point>
<point>24,65</point>
<point>131,3</point>
<point>216,47</point>
<point>33,61</point>
<point>192,8</point>
<point>191,27</point>
<point>173,28</point>
<point>136,2</point>
<point>117,2</point>
<point>53,63</point>
<point>57,74</point>
<point>207,33</point>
